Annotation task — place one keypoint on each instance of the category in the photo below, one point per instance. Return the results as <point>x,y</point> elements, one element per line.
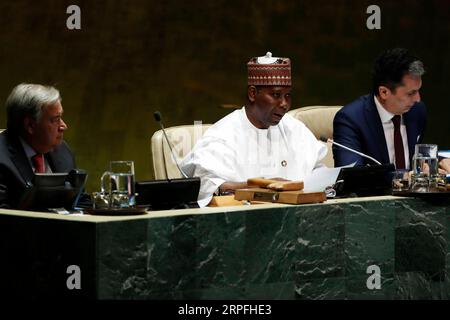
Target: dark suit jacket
<point>16,172</point>
<point>358,126</point>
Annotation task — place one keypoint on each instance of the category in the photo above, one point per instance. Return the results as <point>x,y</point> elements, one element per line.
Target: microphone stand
<point>158,119</point>
<point>351,150</point>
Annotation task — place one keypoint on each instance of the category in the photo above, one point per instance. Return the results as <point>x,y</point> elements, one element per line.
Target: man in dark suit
<point>33,141</point>
<point>388,123</point>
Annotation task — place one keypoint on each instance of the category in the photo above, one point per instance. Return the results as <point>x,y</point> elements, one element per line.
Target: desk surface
<point>180,212</point>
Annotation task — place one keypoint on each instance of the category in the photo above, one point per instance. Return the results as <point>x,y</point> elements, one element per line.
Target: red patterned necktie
<point>38,162</point>
<point>398,144</point>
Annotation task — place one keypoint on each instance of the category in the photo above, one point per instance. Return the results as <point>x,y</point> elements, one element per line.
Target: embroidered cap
<point>269,71</point>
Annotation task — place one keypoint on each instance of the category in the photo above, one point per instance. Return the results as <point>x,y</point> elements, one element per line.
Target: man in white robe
<point>258,140</point>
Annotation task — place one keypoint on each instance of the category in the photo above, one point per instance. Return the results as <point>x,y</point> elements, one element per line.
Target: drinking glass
<point>425,167</point>
<point>118,184</point>
<point>401,180</point>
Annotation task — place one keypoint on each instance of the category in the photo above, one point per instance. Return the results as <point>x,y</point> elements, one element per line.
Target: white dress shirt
<point>233,149</point>
<point>388,128</point>
<point>30,153</point>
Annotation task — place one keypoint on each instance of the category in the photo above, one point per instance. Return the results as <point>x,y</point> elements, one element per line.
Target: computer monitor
<point>365,181</point>
<point>168,194</point>
<point>53,190</point>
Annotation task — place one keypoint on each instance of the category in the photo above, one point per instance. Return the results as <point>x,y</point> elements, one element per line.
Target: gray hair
<point>416,68</point>
<point>27,100</point>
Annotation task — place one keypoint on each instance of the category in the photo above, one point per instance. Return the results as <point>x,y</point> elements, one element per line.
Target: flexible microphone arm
<point>350,149</point>
<point>158,119</point>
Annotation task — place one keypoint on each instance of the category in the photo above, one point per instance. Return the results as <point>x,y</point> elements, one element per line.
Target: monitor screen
<point>53,190</point>
<point>168,194</point>
<point>364,181</point>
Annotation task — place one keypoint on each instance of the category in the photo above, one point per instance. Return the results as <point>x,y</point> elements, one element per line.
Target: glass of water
<point>425,167</point>
<point>118,183</point>
<point>401,180</point>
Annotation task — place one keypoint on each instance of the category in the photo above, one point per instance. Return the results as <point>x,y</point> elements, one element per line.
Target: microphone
<point>323,139</point>
<point>158,119</point>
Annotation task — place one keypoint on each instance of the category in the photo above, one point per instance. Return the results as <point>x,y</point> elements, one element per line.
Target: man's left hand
<point>444,164</point>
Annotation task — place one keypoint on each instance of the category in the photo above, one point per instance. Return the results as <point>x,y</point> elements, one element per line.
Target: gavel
<point>275,184</point>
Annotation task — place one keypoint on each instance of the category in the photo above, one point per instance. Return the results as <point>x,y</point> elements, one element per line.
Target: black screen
<point>53,190</point>
<point>168,194</point>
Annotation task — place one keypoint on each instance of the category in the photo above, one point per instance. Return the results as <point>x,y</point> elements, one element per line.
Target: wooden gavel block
<point>275,184</point>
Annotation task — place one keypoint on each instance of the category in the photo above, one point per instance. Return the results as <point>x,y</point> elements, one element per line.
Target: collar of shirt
<point>29,151</point>
<point>388,128</point>
<point>249,124</point>
<point>385,115</point>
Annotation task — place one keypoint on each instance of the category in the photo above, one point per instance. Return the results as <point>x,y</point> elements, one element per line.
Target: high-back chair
<point>319,119</point>
<point>183,139</point>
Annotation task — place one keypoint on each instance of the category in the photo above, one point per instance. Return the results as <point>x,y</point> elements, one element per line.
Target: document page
<point>444,153</point>
<point>322,177</point>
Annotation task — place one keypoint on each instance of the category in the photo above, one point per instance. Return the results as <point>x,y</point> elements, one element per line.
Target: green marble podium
<point>269,251</point>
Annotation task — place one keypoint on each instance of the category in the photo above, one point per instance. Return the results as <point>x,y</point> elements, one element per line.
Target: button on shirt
<point>388,128</point>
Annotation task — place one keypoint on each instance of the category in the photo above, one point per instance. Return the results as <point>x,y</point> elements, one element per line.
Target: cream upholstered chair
<point>319,119</point>
<point>183,139</point>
